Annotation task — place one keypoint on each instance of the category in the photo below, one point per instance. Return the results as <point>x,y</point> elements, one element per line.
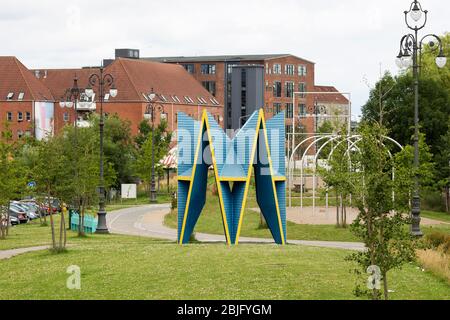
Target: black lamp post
<point>102,81</point>
<point>69,100</point>
<point>410,55</point>
<point>150,111</point>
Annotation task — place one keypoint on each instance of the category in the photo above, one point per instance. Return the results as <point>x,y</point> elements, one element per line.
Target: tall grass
<point>435,261</point>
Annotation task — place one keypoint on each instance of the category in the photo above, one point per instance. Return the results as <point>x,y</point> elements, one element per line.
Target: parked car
<point>13,220</point>
<point>31,209</point>
<point>15,211</point>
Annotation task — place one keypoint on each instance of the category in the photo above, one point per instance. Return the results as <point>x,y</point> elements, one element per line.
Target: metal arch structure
<point>352,141</point>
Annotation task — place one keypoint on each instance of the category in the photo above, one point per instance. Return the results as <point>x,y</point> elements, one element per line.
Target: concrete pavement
<point>147,221</point>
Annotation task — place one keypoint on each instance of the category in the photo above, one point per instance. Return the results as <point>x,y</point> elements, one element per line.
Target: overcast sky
<point>348,39</point>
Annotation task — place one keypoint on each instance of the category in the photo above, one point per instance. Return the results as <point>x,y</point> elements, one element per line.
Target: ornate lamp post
<point>410,54</point>
<point>69,100</point>
<point>150,111</point>
<point>102,81</point>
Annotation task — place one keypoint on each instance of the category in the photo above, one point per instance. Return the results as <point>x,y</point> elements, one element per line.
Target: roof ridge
<point>16,61</point>
<point>130,78</point>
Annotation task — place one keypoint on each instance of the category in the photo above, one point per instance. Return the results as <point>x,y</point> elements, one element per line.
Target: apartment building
<point>284,75</point>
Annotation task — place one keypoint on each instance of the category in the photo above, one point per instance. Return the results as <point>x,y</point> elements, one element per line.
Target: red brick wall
<point>15,107</point>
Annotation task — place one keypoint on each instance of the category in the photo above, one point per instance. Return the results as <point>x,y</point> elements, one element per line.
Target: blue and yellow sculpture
<point>258,147</point>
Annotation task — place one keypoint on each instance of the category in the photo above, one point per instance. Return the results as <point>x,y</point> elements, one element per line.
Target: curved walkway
<point>6,254</point>
<point>147,221</point>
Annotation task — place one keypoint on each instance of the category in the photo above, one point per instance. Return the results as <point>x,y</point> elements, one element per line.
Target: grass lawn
<point>210,221</point>
<point>33,234</point>
<point>122,267</point>
<point>441,216</point>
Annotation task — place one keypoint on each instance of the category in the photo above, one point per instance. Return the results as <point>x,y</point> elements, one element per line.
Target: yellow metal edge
<point>249,174</point>
<point>283,241</point>
<point>192,180</point>
<point>216,173</point>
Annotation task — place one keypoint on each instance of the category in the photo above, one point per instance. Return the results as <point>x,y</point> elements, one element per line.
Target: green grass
<point>210,221</point>
<point>33,234</point>
<point>121,267</point>
<point>440,216</point>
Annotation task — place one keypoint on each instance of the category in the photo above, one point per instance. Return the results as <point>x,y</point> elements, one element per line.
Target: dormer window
<point>10,96</point>
<point>21,95</point>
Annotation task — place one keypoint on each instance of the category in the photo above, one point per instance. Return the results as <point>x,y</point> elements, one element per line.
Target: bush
<point>439,240</point>
<point>433,200</point>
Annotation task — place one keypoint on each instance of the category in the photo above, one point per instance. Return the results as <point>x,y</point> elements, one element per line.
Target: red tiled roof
<point>16,78</point>
<point>133,78</point>
<point>59,80</point>
<point>329,97</point>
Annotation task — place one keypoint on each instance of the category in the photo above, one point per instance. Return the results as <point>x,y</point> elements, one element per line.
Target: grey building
<point>247,93</point>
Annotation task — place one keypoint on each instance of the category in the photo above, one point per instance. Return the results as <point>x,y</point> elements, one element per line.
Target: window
<point>289,89</point>
<point>189,68</point>
<point>277,68</point>
<point>66,116</point>
<point>267,68</point>
<point>21,95</point>
<point>302,70</point>
<point>163,98</point>
<point>210,86</point>
<point>289,110</point>
<point>187,99</point>
<point>302,88</point>
<point>277,89</point>
<point>28,116</point>
<point>276,108</point>
<point>19,134</point>
<point>289,69</point>
<point>176,99</point>
<point>19,116</point>
<point>208,69</point>
<point>10,96</point>
<point>9,116</point>
<point>106,97</point>
<point>302,109</point>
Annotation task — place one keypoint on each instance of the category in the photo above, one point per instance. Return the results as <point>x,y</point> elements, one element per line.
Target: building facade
<point>30,102</point>
<point>284,75</point>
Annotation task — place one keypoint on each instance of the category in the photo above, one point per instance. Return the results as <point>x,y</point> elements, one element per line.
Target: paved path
<point>6,254</point>
<point>147,221</point>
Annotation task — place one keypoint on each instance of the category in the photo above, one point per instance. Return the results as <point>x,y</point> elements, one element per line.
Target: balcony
<point>86,106</point>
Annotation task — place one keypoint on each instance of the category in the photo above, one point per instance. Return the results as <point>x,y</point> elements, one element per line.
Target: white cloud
<point>347,39</point>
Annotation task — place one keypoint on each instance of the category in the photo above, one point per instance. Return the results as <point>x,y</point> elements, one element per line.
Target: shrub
<point>433,200</point>
<point>439,240</point>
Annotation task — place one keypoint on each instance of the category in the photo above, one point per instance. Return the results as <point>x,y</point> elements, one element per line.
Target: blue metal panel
<point>269,193</point>
<point>276,133</point>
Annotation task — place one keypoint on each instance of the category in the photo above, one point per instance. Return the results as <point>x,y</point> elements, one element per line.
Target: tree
<point>162,139</point>
<point>12,180</point>
<point>50,172</point>
<point>443,161</point>
<point>382,218</point>
<point>398,112</point>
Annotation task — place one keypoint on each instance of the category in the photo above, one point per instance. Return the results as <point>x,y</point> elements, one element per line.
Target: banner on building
<point>43,117</point>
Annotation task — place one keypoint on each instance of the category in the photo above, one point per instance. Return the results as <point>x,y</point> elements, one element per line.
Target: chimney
<point>37,73</point>
<point>45,74</point>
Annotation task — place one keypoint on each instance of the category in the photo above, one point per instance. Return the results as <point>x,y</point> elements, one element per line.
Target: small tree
<point>381,221</point>
<point>144,160</point>
<point>50,173</point>
<point>11,178</point>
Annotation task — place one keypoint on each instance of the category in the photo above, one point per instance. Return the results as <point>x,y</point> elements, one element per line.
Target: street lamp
<point>102,81</point>
<point>410,49</point>
<point>152,106</point>
<point>69,100</point>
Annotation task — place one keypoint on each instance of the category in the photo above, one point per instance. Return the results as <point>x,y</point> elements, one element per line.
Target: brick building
<point>30,98</point>
<point>331,106</point>
<point>24,100</point>
<point>284,75</point>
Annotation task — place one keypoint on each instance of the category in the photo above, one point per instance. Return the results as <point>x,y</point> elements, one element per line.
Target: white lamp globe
<point>407,61</point>
<point>69,104</point>
<point>399,62</point>
<point>89,92</point>
<point>416,14</point>
<point>113,92</point>
<point>62,104</point>
<point>441,61</point>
